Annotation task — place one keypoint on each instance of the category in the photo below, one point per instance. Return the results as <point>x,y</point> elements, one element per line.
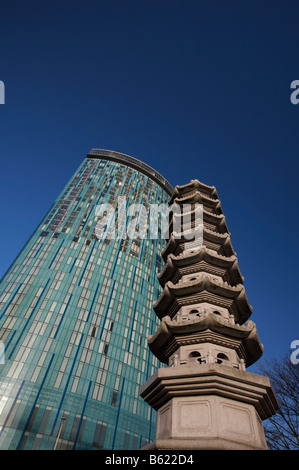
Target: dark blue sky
<point>196,89</point>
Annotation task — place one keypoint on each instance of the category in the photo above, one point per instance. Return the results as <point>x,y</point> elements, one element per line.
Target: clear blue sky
<point>196,89</point>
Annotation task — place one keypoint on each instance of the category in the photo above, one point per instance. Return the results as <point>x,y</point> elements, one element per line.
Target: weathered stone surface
<point>209,422</point>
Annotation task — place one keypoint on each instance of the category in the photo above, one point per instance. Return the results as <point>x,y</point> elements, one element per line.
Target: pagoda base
<point>209,407</point>
<point>208,423</point>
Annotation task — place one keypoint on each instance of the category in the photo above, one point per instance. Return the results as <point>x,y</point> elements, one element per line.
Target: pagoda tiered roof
<point>212,221</point>
<point>220,242</point>
<point>194,185</point>
<point>188,262</point>
<point>203,289</point>
<point>207,328</point>
<point>196,196</point>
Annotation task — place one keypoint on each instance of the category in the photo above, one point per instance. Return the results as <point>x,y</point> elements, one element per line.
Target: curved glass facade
<point>75,312</point>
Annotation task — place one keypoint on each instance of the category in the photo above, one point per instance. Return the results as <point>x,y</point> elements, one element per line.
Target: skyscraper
<point>75,311</point>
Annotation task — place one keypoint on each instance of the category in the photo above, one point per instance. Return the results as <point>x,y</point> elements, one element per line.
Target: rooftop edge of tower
<point>133,163</point>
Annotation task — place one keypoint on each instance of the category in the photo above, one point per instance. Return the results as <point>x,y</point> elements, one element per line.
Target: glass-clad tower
<point>75,312</point>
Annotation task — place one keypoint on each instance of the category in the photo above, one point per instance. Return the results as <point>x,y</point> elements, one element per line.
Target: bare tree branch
<point>282,429</point>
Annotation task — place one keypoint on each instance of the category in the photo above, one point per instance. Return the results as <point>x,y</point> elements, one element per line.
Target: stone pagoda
<point>205,399</point>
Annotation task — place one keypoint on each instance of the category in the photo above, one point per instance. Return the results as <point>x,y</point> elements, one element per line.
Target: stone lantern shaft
<point>205,399</point>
